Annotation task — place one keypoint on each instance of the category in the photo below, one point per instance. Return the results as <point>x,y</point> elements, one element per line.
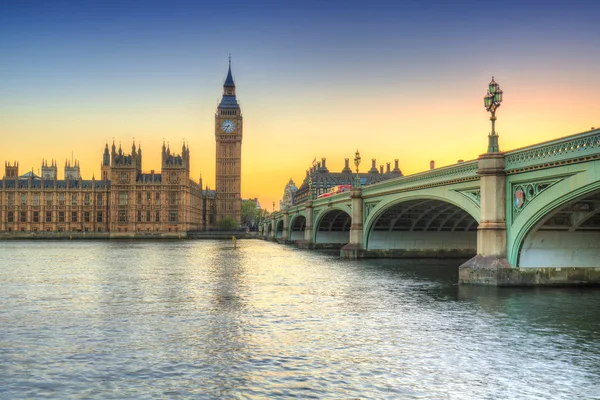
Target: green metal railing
<point>574,147</point>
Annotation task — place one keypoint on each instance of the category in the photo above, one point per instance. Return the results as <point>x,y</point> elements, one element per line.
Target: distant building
<point>250,219</point>
<point>323,180</point>
<point>289,193</point>
<point>254,200</point>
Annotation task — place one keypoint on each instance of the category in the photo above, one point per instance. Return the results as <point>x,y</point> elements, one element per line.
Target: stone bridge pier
<point>354,248</point>
<point>491,233</point>
<point>308,242</point>
<point>273,233</point>
<point>286,228</point>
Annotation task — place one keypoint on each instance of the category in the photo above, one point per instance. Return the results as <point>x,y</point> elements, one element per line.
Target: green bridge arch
<point>326,209</point>
<point>293,219</point>
<point>458,195</point>
<point>567,184</point>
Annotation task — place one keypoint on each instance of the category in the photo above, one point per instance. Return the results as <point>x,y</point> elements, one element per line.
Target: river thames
<point>199,319</point>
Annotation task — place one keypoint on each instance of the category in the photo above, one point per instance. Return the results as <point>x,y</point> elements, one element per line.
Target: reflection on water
<point>199,319</point>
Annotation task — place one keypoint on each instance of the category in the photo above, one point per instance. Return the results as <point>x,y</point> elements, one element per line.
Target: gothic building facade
<point>148,202</point>
<point>126,201</point>
<point>30,203</point>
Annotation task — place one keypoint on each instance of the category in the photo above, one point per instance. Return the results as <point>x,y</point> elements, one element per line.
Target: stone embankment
<point>224,235</point>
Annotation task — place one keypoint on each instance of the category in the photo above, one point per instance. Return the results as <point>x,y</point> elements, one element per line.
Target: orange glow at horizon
<point>313,79</point>
<point>280,143</point>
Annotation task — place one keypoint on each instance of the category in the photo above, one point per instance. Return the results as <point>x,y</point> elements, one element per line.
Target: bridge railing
<point>580,146</point>
<point>451,173</point>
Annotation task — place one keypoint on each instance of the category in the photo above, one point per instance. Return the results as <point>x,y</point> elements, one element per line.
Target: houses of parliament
<point>125,200</point>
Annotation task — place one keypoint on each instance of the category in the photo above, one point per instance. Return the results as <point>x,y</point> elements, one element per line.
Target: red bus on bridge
<point>336,190</point>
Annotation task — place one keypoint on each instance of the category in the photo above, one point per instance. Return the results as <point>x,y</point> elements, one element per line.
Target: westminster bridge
<point>530,216</point>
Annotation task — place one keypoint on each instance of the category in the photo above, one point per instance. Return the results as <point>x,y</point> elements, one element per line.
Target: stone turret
<point>175,167</point>
<point>175,160</point>
<point>49,172</point>
<point>323,165</point>
<point>396,170</point>
<point>373,169</point>
<point>11,171</point>
<point>346,169</point>
<point>72,172</point>
<point>124,168</point>
<point>105,165</point>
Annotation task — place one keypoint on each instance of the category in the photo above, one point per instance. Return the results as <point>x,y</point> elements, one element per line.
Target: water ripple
<point>197,319</point>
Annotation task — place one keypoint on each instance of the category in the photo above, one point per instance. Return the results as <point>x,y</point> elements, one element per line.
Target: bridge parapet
<point>295,208</point>
<point>328,201</point>
<point>570,149</point>
<point>465,171</point>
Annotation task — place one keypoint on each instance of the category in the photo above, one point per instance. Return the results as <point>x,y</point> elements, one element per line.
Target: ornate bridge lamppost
<point>492,101</point>
<point>490,264</point>
<point>356,164</point>
<point>310,192</point>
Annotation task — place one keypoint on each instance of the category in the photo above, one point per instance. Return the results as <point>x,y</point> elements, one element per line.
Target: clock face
<point>228,126</point>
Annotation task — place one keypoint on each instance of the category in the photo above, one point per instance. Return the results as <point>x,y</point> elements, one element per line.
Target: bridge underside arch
<point>333,227</point>
<point>568,236</point>
<point>424,227</point>
<point>279,229</point>
<point>297,228</point>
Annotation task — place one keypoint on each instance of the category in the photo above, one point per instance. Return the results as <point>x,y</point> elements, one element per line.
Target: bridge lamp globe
<point>487,100</point>
<point>493,86</point>
<point>498,96</point>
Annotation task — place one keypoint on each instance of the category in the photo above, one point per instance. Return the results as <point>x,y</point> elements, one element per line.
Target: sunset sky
<point>394,79</point>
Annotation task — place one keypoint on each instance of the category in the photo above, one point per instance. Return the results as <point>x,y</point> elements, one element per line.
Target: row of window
<point>124,178</point>
<point>11,216</point>
<point>36,199</point>
<point>36,217</point>
<point>140,216</point>
<point>124,198</point>
<point>58,229</point>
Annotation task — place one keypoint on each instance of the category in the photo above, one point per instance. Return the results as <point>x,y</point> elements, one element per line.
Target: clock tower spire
<point>229,85</point>
<point>228,137</point>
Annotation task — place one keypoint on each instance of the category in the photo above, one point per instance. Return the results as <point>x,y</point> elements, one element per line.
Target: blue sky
<point>327,76</point>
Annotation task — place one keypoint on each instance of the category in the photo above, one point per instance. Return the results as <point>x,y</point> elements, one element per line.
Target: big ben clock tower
<point>228,136</point>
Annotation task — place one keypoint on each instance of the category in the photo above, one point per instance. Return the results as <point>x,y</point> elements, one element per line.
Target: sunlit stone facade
<point>29,203</point>
<point>124,202</point>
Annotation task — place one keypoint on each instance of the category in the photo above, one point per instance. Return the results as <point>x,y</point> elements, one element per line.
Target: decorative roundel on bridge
<point>519,198</point>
